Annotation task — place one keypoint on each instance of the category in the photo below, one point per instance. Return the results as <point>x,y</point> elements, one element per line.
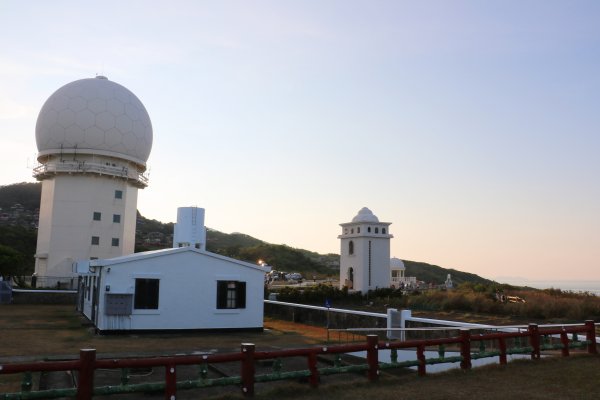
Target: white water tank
<point>189,229</point>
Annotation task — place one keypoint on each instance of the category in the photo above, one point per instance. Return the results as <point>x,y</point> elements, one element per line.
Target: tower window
<point>118,194</point>
<point>369,264</point>
<point>352,230</point>
<point>117,218</point>
<point>97,216</point>
<point>369,229</point>
<point>358,230</point>
<point>383,230</point>
<point>95,240</point>
<point>115,242</point>
<point>376,230</point>
<point>351,247</point>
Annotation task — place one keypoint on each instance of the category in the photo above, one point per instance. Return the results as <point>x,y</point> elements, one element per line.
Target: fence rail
<point>247,358</point>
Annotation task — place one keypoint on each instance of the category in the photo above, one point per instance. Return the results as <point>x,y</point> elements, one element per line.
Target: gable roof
<point>167,252</point>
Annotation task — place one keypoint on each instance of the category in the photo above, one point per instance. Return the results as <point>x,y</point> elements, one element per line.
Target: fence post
<point>564,339</point>
<point>248,369</point>
<point>465,348</point>
<point>373,357</point>
<point>534,340</point>
<point>313,380</point>
<point>502,346</point>
<point>591,336</point>
<point>421,368</point>
<point>85,382</point>
<point>170,382</point>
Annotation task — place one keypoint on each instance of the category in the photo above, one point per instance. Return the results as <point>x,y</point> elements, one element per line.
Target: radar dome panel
<point>95,115</point>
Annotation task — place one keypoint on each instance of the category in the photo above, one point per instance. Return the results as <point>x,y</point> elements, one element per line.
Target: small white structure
<point>398,279</point>
<point>93,137</point>
<point>189,229</point>
<point>182,288</point>
<point>365,253</point>
<point>448,283</point>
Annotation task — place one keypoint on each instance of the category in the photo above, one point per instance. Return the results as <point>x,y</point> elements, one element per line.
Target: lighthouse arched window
<point>351,247</point>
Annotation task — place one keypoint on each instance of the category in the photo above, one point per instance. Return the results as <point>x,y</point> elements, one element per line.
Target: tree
<point>12,262</point>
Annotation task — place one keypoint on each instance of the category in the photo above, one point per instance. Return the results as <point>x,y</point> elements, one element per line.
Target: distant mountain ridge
<point>16,232</point>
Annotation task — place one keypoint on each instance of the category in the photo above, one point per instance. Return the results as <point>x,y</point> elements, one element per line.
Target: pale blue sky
<point>472,126</point>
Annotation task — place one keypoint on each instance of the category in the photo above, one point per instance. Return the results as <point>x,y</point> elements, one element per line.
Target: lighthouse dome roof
<point>396,263</point>
<point>365,215</point>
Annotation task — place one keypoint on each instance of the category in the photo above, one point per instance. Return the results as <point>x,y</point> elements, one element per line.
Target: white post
<point>405,315</point>
<point>390,322</point>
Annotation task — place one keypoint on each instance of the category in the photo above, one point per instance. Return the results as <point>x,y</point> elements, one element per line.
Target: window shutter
<point>241,294</point>
<point>221,294</point>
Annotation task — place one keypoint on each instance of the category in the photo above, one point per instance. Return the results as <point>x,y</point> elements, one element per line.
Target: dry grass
<point>574,377</point>
<point>36,332</point>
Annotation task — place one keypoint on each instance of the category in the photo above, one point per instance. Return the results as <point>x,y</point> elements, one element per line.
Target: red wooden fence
<point>88,363</point>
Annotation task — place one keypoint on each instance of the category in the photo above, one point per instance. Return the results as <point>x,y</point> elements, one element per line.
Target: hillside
<point>436,274</point>
<point>19,204</point>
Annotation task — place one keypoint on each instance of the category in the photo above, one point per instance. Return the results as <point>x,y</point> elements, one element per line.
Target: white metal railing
<point>330,309</point>
<point>85,166</point>
<point>406,316</point>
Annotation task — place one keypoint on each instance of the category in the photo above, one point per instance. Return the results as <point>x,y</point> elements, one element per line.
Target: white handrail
<point>338,310</point>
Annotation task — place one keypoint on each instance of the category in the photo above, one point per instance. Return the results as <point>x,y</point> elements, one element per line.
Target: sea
<point>590,286</point>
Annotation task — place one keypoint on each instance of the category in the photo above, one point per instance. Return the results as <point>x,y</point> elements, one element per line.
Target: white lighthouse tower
<point>94,137</point>
<point>365,253</point>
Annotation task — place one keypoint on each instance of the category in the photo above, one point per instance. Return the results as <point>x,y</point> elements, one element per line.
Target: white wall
<point>66,224</point>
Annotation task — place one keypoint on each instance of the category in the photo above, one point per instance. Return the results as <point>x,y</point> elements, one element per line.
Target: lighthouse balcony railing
<point>94,167</point>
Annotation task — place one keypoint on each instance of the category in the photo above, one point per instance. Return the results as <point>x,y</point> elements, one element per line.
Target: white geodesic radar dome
<point>94,116</point>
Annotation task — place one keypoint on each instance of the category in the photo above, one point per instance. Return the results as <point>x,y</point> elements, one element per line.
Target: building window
<point>146,294</point>
<point>369,229</point>
<point>352,230</point>
<point>376,230</point>
<point>358,230</point>
<point>115,242</point>
<point>97,216</point>
<point>118,194</point>
<point>369,264</point>
<point>383,230</point>
<point>117,218</point>
<point>95,240</point>
<point>351,247</point>
<point>231,294</point>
